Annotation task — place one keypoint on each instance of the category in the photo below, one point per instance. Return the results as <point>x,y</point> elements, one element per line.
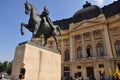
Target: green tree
<point>9,68</point>
<point>5,64</point>
<point>6,67</point>
<point>1,67</point>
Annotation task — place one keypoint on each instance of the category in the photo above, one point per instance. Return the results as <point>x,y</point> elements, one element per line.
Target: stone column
<point>93,44</point>
<point>96,71</point>
<point>83,70</point>
<point>62,49</point>
<point>62,57</point>
<point>72,47</point>
<point>103,42</point>
<point>83,45</point>
<point>106,40</point>
<point>54,43</point>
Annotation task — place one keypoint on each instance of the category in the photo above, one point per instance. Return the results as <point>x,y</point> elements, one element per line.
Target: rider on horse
<point>45,18</point>
<point>40,24</point>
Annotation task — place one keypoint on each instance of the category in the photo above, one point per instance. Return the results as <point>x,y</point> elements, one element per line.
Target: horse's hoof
<point>22,33</point>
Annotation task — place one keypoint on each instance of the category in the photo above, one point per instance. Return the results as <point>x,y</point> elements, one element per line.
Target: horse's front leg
<point>23,25</point>
<point>36,29</point>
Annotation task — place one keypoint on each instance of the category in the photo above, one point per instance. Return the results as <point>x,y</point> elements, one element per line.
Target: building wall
<point>87,35</point>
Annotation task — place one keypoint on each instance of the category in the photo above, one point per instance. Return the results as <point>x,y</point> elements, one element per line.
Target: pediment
<point>83,24</point>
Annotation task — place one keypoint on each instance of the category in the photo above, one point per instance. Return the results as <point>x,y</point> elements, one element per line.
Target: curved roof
<point>87,10</point>
<point>90,11</point>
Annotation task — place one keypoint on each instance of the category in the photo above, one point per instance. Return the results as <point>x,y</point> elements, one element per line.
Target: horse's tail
<point>58,29</point>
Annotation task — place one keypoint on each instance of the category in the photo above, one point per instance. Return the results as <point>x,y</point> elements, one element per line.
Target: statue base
<point>40,63</point>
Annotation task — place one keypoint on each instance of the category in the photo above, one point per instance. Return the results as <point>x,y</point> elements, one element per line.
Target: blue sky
<point>12,14</point>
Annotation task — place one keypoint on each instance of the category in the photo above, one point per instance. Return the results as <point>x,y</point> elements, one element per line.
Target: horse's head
<point>27,7</point>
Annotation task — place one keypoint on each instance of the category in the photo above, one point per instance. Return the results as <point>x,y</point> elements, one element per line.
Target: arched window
<point>89,51</point>
<point>100,50</point>
<point>117,47</point>
<point>67,55</point>
<point>79,53</point>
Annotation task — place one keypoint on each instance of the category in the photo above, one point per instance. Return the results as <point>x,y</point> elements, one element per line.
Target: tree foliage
<point>6,67</point>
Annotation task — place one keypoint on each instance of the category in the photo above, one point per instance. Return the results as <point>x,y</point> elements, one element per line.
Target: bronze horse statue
<point>38,26</point>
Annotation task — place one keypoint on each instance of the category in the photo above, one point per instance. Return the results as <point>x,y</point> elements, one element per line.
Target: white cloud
<point>99,2</point>
<point>113,0</point>
<point>103,2</point>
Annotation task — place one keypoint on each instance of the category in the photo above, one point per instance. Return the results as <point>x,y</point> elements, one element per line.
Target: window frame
<point>67,55</point>
<point>100,50</point>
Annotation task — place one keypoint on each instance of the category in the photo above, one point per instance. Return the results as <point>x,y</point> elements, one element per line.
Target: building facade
<point>91,42</point>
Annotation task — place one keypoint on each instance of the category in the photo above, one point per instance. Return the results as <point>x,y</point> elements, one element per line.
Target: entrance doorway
<point>90,71</point>
<point>66,71</point>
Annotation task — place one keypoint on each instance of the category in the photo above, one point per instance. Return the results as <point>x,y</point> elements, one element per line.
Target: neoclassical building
<point>90,40</point>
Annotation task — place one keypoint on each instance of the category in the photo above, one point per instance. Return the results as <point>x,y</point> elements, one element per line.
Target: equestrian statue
<point>40,24</point>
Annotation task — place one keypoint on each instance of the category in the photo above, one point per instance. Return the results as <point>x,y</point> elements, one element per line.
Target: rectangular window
<point>78,67</point>
<point>101,66</point>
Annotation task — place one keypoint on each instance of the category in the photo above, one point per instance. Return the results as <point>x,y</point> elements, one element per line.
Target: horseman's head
<point>27,7</point>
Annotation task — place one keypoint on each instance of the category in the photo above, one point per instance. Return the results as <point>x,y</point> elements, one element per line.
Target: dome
<point>88,11</point>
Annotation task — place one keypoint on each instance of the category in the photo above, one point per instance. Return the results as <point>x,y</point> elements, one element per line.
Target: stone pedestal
<point>40,63</point>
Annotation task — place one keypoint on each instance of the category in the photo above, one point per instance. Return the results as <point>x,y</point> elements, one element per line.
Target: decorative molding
<point>84,23</point>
